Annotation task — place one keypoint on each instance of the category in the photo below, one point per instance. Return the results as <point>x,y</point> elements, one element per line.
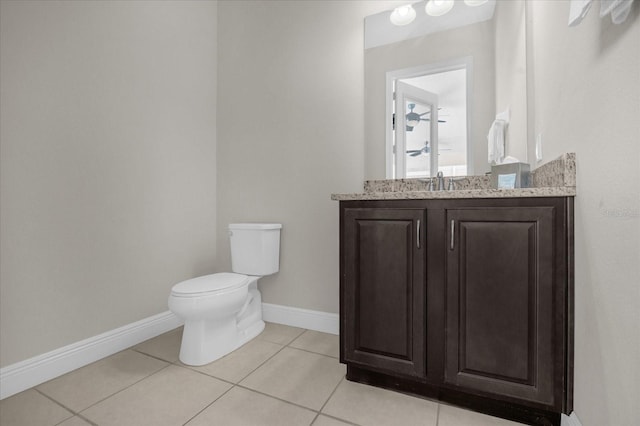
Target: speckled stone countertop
<point>556,178</point>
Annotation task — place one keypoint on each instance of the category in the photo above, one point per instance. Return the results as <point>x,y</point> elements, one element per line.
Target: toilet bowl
<point>223,311</point>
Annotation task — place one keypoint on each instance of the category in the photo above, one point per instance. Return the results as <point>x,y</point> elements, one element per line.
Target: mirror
<point>474,60</point>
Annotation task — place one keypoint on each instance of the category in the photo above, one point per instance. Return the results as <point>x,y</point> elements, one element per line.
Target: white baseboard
<point>303,318</point>
<point>571,420</point>
<point>31,372</point>
<point>34,371</point>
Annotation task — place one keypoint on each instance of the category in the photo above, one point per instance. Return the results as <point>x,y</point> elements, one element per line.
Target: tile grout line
<point>278,398</point>
<point>208,405</point>
<point>233,385</point>
<point>438,415</point>
<point>73,413</point>
<point>327,401</point>
<point>121,390</point>
<point>151,356</point>
<point>312,352</point>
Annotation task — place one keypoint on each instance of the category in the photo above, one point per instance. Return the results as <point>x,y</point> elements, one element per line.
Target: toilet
<point>223,311</point>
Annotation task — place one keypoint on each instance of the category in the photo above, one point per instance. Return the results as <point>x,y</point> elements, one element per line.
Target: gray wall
<point>587,101</point>
<point>107,164</point>
<point>290,132</point>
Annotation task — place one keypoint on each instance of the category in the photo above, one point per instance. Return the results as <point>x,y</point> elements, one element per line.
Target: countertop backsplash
<point>556,178</point>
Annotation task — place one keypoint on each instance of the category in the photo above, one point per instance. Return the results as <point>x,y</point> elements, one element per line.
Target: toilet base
<point>207,340</point>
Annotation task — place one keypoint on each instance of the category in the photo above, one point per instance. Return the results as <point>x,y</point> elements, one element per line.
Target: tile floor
<point>286,376</point>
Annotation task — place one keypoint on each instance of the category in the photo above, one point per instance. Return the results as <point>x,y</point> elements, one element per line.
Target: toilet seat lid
<point>209,283</point>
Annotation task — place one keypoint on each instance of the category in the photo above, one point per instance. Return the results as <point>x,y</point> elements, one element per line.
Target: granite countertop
<point>554,179</point>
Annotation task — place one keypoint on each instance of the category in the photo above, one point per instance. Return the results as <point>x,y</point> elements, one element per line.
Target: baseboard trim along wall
<point>303,318</point>
<point>31,372</point>
<point>25,374</point>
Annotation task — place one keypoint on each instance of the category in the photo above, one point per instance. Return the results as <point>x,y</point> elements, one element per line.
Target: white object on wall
<point>578,9</point>
<point>497,137</point>
<point>619,10</point>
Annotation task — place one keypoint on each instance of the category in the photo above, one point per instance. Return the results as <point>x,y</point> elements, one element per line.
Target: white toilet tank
<point>255,248</point>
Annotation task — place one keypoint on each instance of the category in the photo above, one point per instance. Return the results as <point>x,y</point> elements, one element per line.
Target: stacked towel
<point>619,10</point>
<point>497,137</point>
<point>578,9</point>
<point>496,141</point>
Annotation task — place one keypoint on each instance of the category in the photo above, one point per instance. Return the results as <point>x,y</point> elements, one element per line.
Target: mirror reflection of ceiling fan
<point>412,119</point>
<point>426,149</point>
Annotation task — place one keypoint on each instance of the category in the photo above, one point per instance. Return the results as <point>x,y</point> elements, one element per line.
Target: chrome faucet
<point>452,184</point>
<point>440,178</point>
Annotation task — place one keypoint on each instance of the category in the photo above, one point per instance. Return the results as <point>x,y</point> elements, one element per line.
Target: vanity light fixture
<point>403,15</point>
<point>438,7</point>
<point>473,3</point>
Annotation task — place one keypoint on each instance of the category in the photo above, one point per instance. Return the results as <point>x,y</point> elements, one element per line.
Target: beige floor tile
<point>166,346</point>
<point>75,421</point>
<point>368,405</point>
<point>301,377</point>
<point>242,407</point>
<point>84,387</point>
<point>170,397</point>
<point>280,334</point>
<point>30,408</point>
<point>329,421</point>
<point>321,343</point>
<point>239,363</point>
<point>453,416</point>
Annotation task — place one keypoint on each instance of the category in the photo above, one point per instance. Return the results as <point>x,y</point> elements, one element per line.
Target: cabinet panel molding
<point>385,303</point>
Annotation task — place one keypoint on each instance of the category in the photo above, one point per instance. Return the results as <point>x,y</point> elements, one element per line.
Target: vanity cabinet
<point>468,301</point>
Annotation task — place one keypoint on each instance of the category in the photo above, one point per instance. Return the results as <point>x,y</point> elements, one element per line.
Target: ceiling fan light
<point>403,15</point>
<point>438,7</point>
<point>474,3</point>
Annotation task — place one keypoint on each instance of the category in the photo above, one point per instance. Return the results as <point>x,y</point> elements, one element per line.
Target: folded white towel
<point>578,9</point>
<point>495,140</point>
<point>619,9</point>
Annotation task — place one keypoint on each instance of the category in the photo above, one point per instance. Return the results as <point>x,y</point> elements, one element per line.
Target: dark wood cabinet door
<point>500,301</point>
<point>383,289</point>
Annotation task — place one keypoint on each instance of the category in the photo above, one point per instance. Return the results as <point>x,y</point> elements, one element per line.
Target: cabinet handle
<point>418,234</point>
<point>453,233</point>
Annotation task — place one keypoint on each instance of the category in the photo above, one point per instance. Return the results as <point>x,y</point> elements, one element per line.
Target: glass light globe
<point>438,7</point>
<point>403,15</point>
<point>475,2</point>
